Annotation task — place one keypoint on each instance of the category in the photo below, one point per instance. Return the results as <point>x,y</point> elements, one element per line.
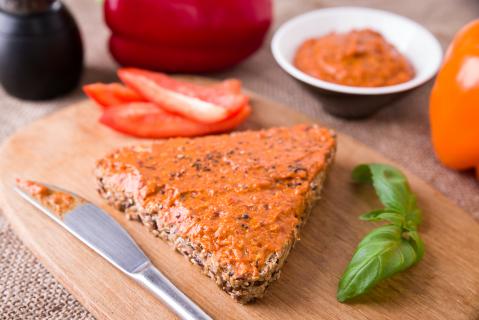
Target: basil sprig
<point>390,248</point>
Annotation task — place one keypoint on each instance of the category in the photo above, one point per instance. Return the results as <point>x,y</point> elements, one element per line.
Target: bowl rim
<point>339,88</point>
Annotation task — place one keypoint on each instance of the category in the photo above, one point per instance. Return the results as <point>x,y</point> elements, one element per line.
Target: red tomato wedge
<point>207,104</point>
<point>147,120</point>
<point>112,94</point>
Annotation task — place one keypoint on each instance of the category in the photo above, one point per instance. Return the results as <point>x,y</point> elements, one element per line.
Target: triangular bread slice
<point>233,204</point>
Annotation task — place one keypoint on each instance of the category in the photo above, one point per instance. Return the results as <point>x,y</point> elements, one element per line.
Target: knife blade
<point>105,236</point>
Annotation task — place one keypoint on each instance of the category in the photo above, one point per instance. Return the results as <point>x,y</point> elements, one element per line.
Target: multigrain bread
<point>232,204</point>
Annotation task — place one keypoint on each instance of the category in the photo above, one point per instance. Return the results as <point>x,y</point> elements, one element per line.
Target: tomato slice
<point>111,94</point>
<point>207,104</point>
<point>148,120</point>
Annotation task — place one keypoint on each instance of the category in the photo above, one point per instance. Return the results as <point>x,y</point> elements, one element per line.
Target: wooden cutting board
<point>62,148</point>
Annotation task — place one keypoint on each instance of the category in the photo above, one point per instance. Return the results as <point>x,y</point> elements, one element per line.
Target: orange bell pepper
<point>454,102</point>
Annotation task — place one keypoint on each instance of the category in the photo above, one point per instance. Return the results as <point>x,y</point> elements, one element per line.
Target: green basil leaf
<point>413,219</point>
<point>379,255</point>
<point>390,248</point>
<point>392,188</point>
<point>383,215</point>
<point>417,243</point>
<point>361,174</point>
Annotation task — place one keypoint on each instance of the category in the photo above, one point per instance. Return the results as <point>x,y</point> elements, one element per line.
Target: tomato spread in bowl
<point>359,58</point>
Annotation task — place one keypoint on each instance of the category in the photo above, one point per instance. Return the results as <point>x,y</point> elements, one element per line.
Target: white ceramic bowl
<point>411,39</point>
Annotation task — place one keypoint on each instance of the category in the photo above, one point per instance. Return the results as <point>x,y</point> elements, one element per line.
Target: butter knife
<point>105,236</point>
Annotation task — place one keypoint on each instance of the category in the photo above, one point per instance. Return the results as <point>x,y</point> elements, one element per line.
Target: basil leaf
<point>413,219</point>
<point>417,243</point>
<point>390,248</point>
<point>392,188</point>
<point>383,215</point>
<point>379,255</point>
<point>361,174</point>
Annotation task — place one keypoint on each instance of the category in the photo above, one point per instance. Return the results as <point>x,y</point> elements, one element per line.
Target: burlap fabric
<point>401,132</point>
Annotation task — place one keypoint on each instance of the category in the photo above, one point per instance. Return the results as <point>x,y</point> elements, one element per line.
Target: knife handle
<point>152,279</point>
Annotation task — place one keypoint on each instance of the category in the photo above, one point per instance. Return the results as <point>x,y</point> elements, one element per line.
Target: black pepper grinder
<point>41,52</point>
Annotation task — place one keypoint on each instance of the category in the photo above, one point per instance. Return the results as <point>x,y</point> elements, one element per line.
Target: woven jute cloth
<point>400,131</point>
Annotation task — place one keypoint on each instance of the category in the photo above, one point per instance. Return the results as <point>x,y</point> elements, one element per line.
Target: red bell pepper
<point>148,120</point>
<point>186,35</point>
<point>206,104</point>
<point>111,94</point>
